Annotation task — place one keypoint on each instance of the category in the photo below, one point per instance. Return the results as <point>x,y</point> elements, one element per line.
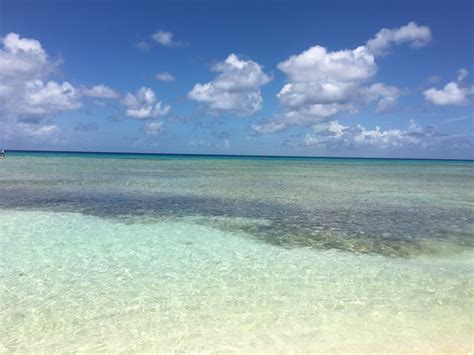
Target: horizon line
<point>225,155</point>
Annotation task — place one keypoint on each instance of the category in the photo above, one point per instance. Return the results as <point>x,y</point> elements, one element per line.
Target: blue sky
<point>324,78</point>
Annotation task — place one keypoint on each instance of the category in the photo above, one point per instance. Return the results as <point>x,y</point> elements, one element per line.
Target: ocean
<point>221,254</point>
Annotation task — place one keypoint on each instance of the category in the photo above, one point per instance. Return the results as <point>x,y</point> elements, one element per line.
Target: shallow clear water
<point>166,253</point>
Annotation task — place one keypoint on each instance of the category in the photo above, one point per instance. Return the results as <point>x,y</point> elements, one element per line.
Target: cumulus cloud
<point>154,127</point>
<point>100,91</point>
<point>23,59</point>
<point>144,105</point>
<point>385,95</point>
<point>236,89</point>
<point>28,97</point>
<point>453,93</point>
<point>42,99</point>
<point>450,94</point>
<point>416,36</point>
<point>334,135</point>
<point>323,83</point>
<point>24,91</point>
<point>306,104</point>
<point>302,116</point>
<point>165,76</point>
<point>316,64</point>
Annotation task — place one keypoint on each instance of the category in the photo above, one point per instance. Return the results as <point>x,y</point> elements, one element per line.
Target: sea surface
<point>137,253</point>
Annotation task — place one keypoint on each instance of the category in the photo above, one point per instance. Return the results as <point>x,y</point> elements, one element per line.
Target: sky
<point>311,78</point>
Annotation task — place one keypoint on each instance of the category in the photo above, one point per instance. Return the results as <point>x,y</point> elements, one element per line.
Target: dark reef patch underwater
<point>388,231</point>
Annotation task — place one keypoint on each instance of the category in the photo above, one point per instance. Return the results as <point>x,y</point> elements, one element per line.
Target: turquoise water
<point>220,254</point>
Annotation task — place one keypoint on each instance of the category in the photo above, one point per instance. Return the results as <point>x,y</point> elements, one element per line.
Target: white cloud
<point>42,99</point>
<point>417,36</point>
<point>323,83</point>
<point>323,97</point>
<point>154,127</point>
<point>166,39</point>
<point>236,89</point>
<point>297,94</point>
<point>453,93</point>
<point>385,95</point>
<point>28,97</point>
<point>334,135</point>
<point>144,105</point>
<point>303,116</point>
<point>23,59</point>
<point>165,76</point>
<point>100,91</point>
<point>317,64</point>
<point>24,65</point>
<point>269,127</point>
<point>163,37</point>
